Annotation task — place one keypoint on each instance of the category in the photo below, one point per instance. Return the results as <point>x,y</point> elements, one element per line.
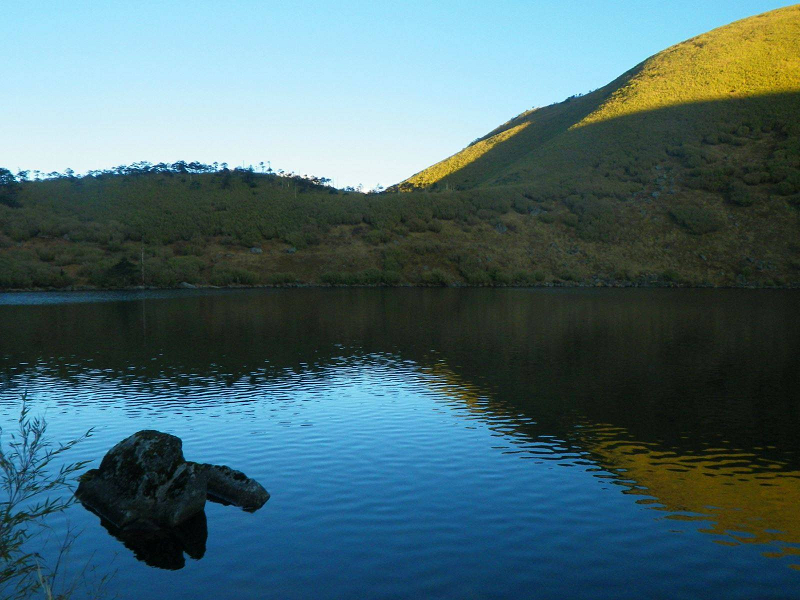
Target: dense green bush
<point>547,217</point>
<point>186,268</point>
<point>391,277</point>
<point>21,270</point>
<point>224,274</point>
<point>281,278</point>
<point>696,219</point>
<point>476,276</point>
<point>740,195</point>
<point>436,277</point>
<point>786,188</point>
<point>593,217</point>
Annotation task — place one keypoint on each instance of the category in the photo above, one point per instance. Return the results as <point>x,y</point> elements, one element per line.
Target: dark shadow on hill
<point>544,124</point>
<point>551,150</point>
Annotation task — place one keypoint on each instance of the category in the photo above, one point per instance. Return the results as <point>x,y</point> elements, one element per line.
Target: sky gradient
<point>358,91</point>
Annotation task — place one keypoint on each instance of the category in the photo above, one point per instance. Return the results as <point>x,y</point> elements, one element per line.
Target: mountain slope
<point>739,80</point>
<point>683,171</point>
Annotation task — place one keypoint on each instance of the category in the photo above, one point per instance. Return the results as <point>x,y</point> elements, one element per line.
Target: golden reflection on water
<point>745,498</point>
<point>740,497</point>
<point>444,381</point>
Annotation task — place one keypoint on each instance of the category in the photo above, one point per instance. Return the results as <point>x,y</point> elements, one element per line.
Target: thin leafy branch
<point>36,483</point>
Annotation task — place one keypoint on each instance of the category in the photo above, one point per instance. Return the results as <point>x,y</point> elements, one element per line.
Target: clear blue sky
<point>359,91</point>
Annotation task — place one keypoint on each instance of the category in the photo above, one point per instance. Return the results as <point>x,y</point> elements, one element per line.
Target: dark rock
<point>144,483</point>
<point>291,250</point>
<point>152,500</point>
<point>233,487</point>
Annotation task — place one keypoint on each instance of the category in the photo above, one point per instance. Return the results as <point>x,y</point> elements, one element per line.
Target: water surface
<point>442,443</point>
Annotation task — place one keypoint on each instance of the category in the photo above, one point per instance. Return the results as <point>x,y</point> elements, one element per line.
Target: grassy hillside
<point>239,228</point>
<point>738,84</point>
<point>684,170</point>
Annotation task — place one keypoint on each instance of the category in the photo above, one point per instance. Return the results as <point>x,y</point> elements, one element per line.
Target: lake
<point>439,443</point>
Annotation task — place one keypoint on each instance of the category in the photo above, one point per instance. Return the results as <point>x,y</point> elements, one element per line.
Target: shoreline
<point>550,285</point>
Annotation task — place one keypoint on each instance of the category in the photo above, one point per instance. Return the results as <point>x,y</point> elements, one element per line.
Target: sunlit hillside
<point>735,87</point>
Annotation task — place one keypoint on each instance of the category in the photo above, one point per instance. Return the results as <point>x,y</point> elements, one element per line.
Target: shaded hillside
<point>240,228</point>
<point>677,103</point>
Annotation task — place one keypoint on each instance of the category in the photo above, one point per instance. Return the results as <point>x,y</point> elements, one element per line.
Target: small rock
<point>256,250</point>
<point>187,286</point>
<point>291,250</point>
<point>233,487</point>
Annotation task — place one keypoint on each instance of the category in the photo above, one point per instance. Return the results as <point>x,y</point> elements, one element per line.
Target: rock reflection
<point>165,548</point>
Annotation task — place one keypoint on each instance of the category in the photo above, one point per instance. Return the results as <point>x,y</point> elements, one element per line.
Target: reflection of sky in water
<point>397,477</point>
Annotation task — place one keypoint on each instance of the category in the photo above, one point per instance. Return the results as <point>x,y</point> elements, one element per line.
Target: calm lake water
<point>440,443</point>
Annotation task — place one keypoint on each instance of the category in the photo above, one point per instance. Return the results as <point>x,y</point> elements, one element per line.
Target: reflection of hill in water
<point>684,368</point>
<point>741,496</point>
<point>698,388</point>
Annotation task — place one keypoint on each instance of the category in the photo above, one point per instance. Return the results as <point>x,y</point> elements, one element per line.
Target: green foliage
<point>547,218</point>
<point>476,277</point>
<point>436,277</point>
<point>281,278</point>
<point>786,188</point>
<point>9,189</point>
<point>186,268</point>
<point>21,269</point>
<point>391,277</point>
<point>740,195</point>
<point>594,217</point>
<point>224,275</point>
<point>567,275</point>
<point>36,484</point>
<point>698,220</point>
<point>366,277</point>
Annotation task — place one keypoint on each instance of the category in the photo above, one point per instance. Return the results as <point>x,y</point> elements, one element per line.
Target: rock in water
<point>144,483</point>
<point>233,487</point>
